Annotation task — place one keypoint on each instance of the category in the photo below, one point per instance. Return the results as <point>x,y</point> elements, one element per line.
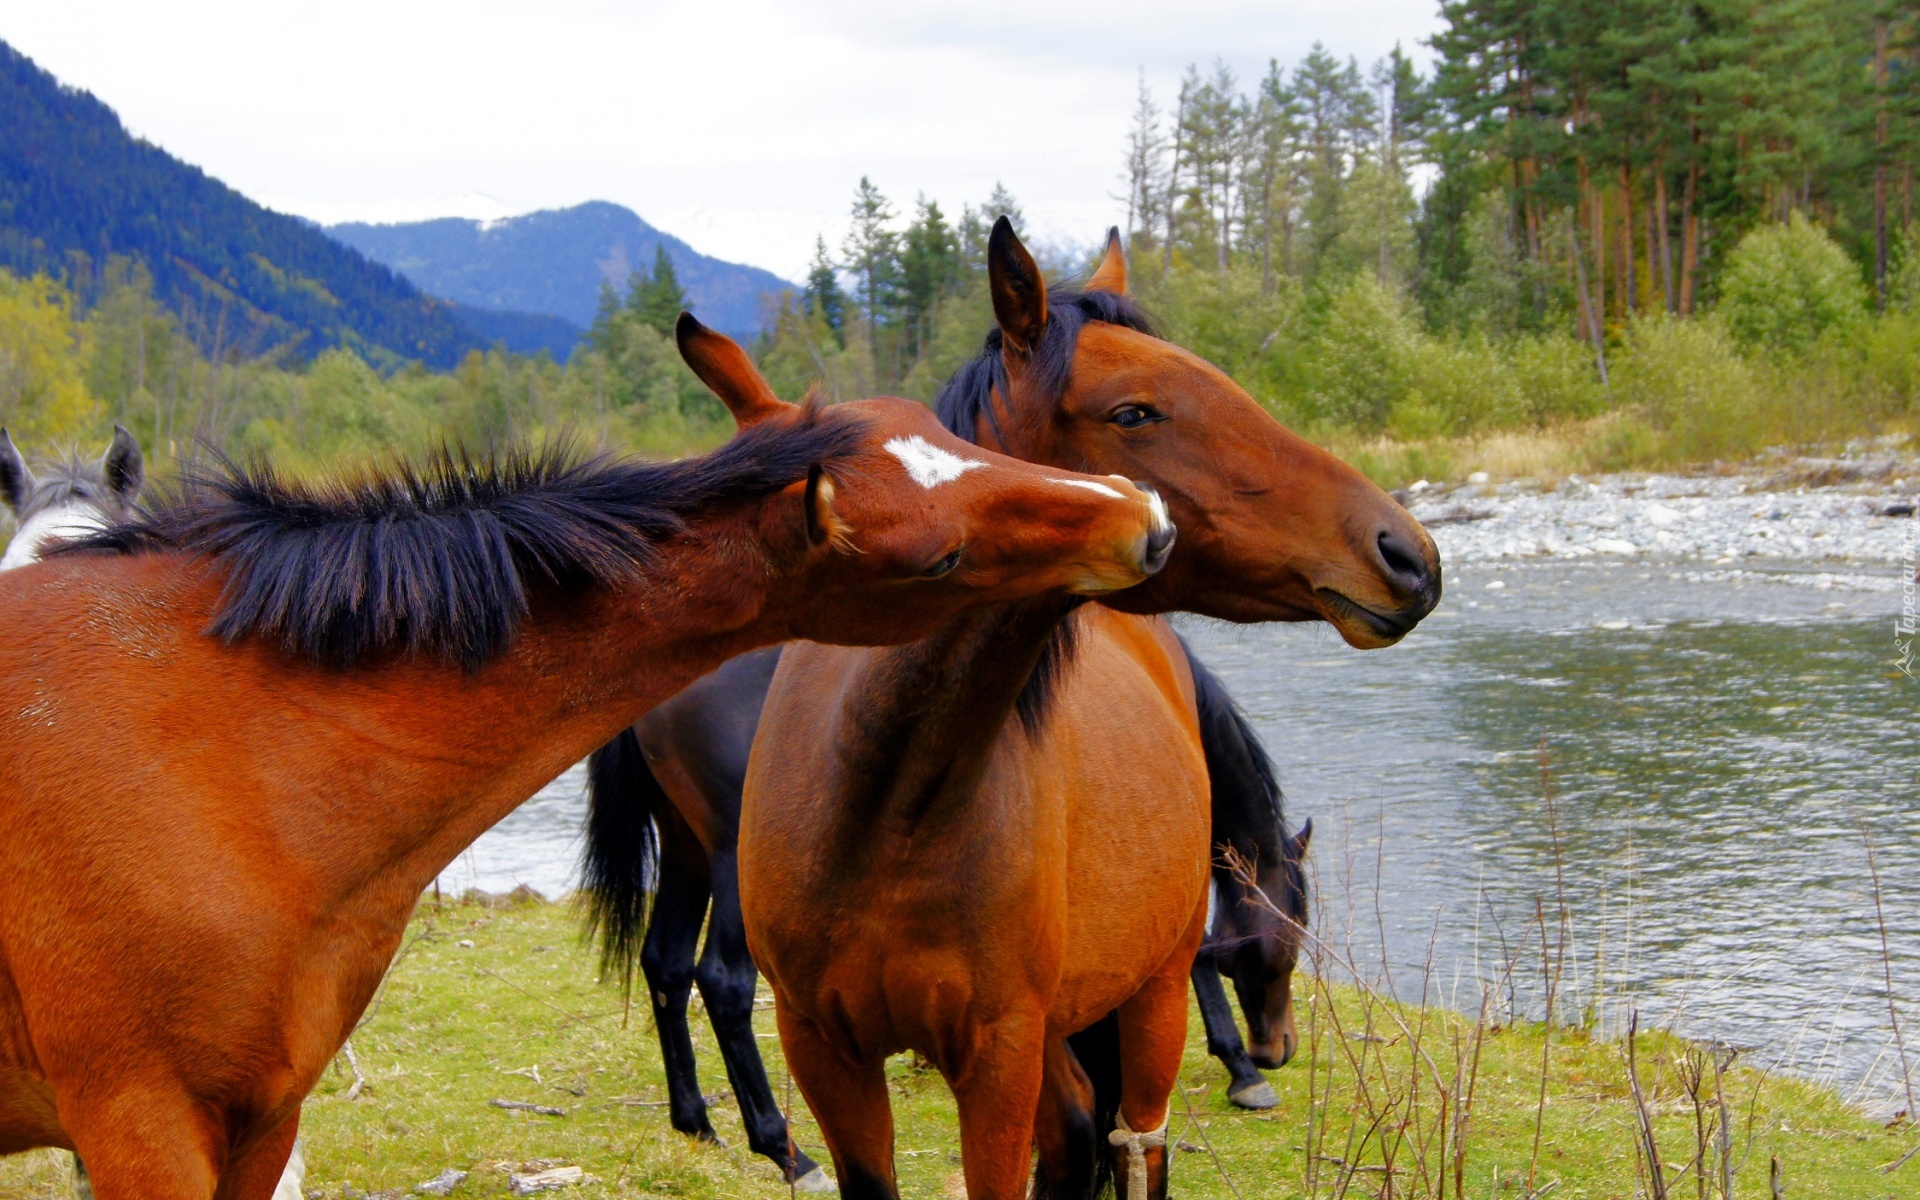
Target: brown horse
<point>661,863</point>
<point>919,872</point>
<point>210,845</point>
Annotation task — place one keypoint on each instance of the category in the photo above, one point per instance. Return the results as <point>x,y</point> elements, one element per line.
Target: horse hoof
<point>816,1180</point>
<point>1255,1095</point>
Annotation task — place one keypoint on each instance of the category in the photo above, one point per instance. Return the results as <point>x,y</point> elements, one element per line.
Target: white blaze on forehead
<point>68,520</point>
<point>1091,486</point>
<point>928,464</point>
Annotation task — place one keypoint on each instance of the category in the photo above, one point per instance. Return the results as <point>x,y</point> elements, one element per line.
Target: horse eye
<point>1132,416</point>
<point>944,566</point>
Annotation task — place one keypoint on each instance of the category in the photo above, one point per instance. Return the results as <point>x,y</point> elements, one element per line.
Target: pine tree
<point>600,336</point>
<point>1002,204</point>
<point>872,254</point>
<point>1339,115</point>
<point>929,271</point>
<point>1146,151</point>
<point>656,298</point>
<point>1271,180</point>
<point>823,297</point>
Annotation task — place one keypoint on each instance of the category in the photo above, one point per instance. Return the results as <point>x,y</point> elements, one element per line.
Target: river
<point>1719,744</point>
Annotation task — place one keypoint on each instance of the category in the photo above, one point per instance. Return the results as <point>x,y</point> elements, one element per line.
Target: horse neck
<point>920,722</point>
<point>462,749</point>
<point>1244,812</point>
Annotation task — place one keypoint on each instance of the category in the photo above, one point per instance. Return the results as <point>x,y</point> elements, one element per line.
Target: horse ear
<point>723,366</point>
<point>1111,274</point>
<point>1298,843</point>
<point>124,467</point>
<point>1019,294</point>
<point>823,523</point>
<point>16,481</point>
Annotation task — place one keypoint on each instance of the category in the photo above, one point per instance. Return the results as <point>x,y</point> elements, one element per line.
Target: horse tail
<point>622,855</point>
<point>1244,788</point>
<point>1097,1051</point>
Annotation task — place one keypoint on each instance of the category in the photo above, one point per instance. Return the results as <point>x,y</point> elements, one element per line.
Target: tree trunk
<point>1598,214</point>
<point>1629,295</point>
<point>1690,228</point>
<point>1660,221</point>
<point>1586,303</point>
<point>1880,165</point>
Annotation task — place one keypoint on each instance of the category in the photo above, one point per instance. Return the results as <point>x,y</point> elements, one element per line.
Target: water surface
<point>1718,746</point>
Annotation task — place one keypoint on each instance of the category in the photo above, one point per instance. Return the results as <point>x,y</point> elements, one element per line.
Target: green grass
<point>458,1025</point>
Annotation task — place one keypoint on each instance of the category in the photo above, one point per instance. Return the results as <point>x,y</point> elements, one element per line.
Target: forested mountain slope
<point>76,189</point>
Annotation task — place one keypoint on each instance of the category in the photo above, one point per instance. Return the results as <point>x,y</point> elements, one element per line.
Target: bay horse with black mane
<point>315,697</point>
<point>917,871</point>
<point>664,816</point>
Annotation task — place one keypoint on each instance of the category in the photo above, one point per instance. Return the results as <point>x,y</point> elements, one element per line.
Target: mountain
<point>554,262</point>
<point>74,182</point>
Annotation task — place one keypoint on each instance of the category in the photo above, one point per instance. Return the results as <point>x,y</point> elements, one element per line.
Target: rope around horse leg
<point>1137,1145</point>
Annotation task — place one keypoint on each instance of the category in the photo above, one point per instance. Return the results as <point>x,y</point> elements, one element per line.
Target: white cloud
<point>741,125</point>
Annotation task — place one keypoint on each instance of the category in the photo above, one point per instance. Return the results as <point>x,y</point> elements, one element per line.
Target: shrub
<point>1786,285</point>
<point>1459,386</point>
<point>1229,319</point>
<point>1690,383</point>
<point>1556,378</point>
<point>1364,356</point>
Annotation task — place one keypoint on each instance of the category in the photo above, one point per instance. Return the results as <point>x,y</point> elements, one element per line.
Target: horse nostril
<point>1405,565</point>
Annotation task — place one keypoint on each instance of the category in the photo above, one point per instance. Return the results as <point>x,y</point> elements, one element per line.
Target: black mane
<point>1247,803</point>
<point>438,557</point>
<point>969,394</point>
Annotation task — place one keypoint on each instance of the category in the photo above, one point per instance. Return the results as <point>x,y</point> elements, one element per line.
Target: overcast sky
<point>740,125</point>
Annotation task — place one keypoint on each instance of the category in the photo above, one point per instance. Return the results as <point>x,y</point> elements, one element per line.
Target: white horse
<point>71,499</point>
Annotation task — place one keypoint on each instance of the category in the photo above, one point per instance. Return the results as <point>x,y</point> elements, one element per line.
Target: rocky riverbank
<point>1847,512</point>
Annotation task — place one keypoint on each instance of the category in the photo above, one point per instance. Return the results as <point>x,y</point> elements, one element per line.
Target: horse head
<point>936,523</point>
<point>1259,938</point>
<point>68,498</point>
<point>1273,528</point>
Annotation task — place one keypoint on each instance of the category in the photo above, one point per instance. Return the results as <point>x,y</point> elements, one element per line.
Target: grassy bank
<point>484,998</point>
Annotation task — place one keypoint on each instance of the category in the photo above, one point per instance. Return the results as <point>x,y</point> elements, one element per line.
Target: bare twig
<point>1886,969</point>
<point>1723,1057</point>
<point>1193,1121</point>
<point>543,1110</point>
<point>353,1064</point>
<point>1649,1146</point>
<point>1902,1161</point>
<point>572,1018</point>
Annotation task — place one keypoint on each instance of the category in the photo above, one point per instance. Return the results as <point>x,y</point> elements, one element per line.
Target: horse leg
<point>728,981</point>
<point>667,961</point>
<point>1247,1087</point>
<point>138,1146</point>
<point>998,1094</point>
<point>850,1102</point>
<point>1064,1127</point>
<point>1153,1035</point>
<point>271,1168</point>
